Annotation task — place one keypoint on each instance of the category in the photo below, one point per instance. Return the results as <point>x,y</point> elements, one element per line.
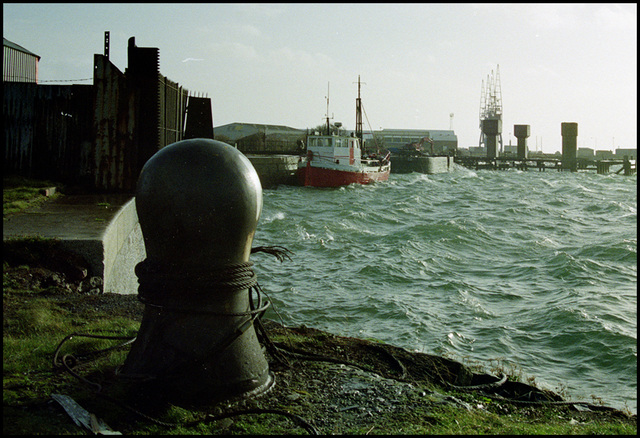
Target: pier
<point>275,169</point>
<point>602,167</point>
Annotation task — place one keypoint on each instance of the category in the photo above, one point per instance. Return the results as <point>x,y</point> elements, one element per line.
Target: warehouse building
<point>18,64</point>
<point>254,138</point>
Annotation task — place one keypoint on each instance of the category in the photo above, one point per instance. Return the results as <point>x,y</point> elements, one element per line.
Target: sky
<point>421,66</point>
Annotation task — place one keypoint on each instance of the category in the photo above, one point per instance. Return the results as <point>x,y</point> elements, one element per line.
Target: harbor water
<point>531,272</point>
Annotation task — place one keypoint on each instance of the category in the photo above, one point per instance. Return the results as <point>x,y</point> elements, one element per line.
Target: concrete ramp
<point>103,229</point>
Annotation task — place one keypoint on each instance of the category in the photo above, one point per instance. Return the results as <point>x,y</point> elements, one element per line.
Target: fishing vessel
<point>335,158</point>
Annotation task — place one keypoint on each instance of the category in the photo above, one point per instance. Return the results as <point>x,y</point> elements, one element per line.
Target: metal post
<point>106,44</point>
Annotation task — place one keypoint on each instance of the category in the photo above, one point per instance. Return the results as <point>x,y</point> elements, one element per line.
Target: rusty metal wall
<point>113,158</point>
<point>137,114</point>
<point>18,115</point>
<point>48,128</point>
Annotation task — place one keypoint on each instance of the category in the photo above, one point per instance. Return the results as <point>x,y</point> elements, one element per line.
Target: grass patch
<point>20,193</point>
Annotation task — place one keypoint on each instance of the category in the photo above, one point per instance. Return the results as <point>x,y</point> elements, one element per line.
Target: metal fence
<point>173,103</point>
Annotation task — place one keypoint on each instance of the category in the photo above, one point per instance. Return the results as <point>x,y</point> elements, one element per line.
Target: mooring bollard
<point>198,203</point>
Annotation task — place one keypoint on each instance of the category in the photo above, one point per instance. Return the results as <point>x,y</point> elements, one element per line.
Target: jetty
<point>628,167</point>
<point>569,160</point>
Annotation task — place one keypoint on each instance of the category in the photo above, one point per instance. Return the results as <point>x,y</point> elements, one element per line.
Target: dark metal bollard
<point>198,202</point>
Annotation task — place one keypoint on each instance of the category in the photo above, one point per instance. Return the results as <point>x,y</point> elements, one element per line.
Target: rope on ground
<point>491,385</point>
<point>548,402</point>
<point>396,361</point>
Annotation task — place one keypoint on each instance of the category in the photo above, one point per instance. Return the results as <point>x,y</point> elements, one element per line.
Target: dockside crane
<point>491,114</point>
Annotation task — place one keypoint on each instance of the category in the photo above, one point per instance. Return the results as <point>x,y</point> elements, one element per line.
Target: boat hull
<point>324,177</point>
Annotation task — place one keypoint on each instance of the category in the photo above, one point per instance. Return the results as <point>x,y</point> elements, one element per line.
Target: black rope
<point>397,362</point>
<point>129,339</point>
<point>280,252</point>
<point>492,385</point>
<point>67,358</point>
<point>547,402</point>
<point>98,389</point>
<point>298,419</point>
<point>204,310</point>
<point>155,279</point>
<point>503,380</point>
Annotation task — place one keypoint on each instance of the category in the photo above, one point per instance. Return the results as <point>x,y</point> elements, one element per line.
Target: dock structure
<point>568,161</point>
<point>569,132</point>
<point>505,163</point>
<point>275,169</point>
<point>522,132</point>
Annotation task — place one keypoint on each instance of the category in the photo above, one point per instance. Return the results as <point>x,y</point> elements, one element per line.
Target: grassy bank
<point>355,386</point>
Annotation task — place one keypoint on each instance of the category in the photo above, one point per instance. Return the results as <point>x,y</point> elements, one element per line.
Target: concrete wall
<point>275,169</point>
<point>123,249</point>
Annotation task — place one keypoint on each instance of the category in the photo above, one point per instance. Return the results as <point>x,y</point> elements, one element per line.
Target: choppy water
<point>535,271</point>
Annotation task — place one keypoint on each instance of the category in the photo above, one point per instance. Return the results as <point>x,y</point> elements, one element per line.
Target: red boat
<point>336,159</point>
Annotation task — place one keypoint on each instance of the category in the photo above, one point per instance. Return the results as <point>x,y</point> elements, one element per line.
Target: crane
<point>491,112</point>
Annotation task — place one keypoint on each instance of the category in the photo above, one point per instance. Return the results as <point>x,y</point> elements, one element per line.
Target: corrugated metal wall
<point>48,129</point>
<point>18,66</point>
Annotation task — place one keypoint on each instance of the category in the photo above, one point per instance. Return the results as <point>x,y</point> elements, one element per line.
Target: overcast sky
<point>419,63</point>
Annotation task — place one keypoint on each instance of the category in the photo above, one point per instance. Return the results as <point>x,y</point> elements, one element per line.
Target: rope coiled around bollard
<point>155,278</point>
<point>191,292</point>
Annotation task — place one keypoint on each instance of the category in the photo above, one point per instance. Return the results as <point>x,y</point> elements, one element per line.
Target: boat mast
<point>359,116</point>
<point>328,125</point>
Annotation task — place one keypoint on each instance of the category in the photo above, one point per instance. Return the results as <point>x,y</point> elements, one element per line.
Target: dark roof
<point>7,43</point>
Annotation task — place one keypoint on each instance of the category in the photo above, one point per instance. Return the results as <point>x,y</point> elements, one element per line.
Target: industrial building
<point>619,153</point>
<point>586,153</point>
<point>445,142</point>
<point>631,153</point>
<point>18,64</point>
<point>254,138</point>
